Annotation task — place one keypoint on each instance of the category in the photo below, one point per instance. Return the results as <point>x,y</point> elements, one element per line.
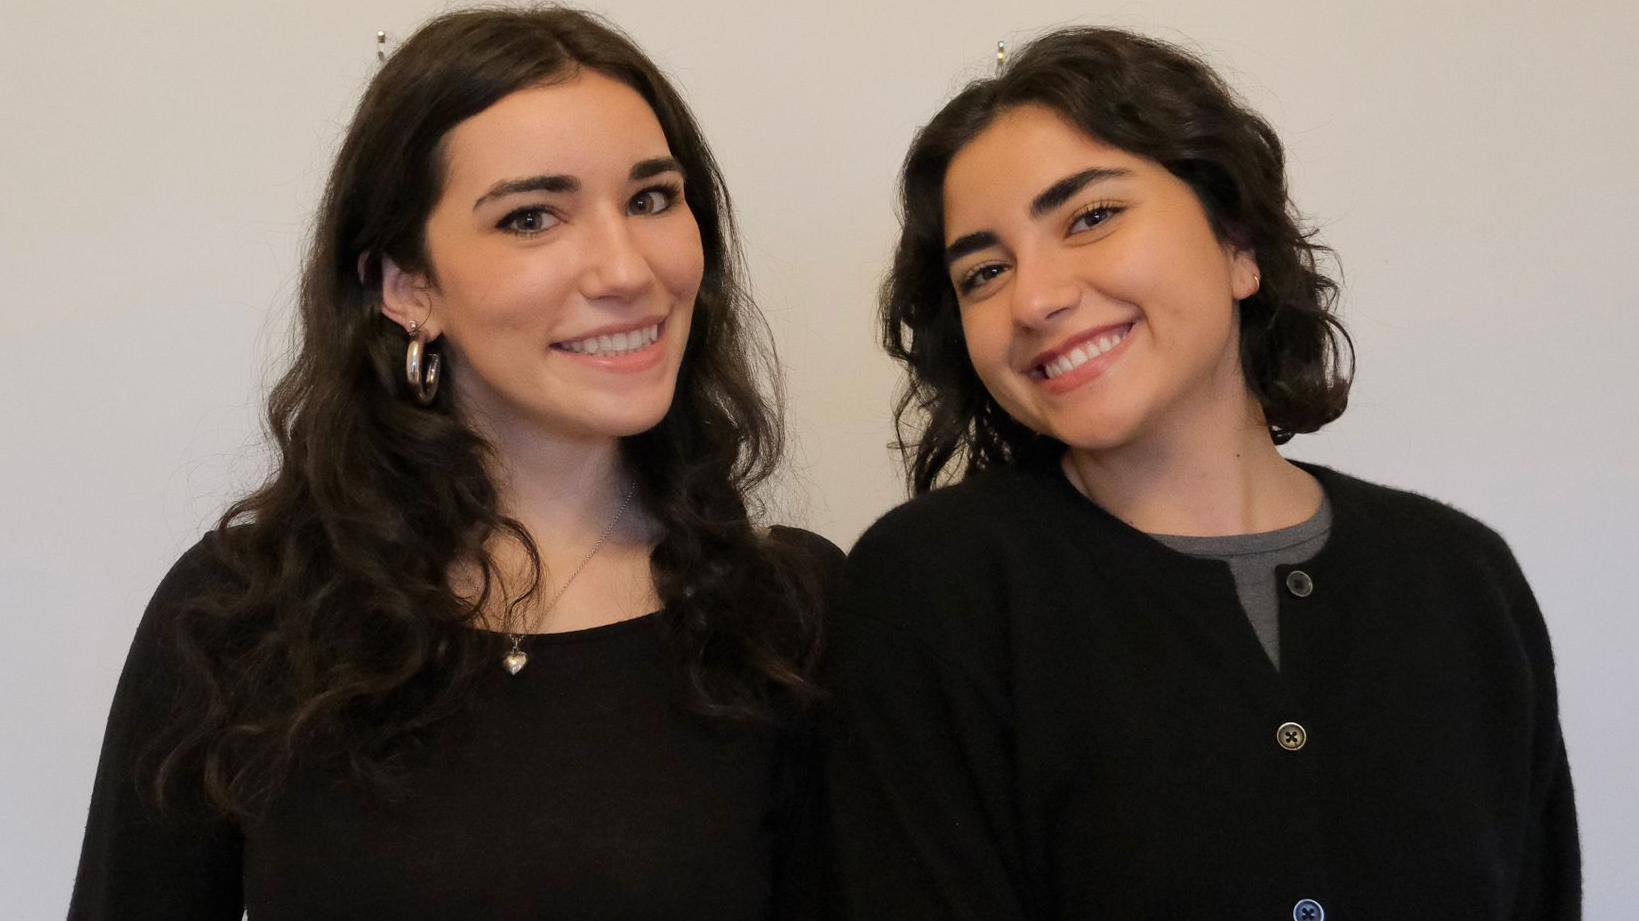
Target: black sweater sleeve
<point>1550,886</point>
<point>918,761</point>
<point>136,860</point>
<point>1550,873</point>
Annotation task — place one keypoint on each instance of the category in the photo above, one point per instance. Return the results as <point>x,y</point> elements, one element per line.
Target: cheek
<point>1179,284</point>
<point>506,293</point>
<point>1140,269</point>
<point>986,335</point>
<point>679,259</point>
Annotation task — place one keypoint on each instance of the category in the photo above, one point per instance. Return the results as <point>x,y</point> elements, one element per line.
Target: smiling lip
<point>620,347</point>
<point>1080,358</point>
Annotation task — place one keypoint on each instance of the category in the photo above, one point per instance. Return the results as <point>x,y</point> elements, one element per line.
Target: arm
<point>182,864</point>
<point>1550,874</point>
<point>919,762</point>
<point>1550,884</point>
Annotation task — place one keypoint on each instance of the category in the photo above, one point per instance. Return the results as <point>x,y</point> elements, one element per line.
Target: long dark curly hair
<point>1157,101</point>
<point>336,636</point>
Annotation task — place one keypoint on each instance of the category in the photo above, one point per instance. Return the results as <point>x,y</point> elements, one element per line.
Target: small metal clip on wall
<point>381,47</point>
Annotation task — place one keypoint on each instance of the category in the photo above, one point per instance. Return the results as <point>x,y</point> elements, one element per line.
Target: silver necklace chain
<point>515,659</point>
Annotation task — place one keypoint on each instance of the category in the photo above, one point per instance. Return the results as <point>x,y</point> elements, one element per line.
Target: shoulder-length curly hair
<point>1157,101</point>
<point>338,636</point>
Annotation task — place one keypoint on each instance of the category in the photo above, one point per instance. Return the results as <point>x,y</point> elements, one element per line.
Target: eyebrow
<point>970,243</point>
<point>648,169</point>
<point>562,185</point>
<point>1059,192</point>
<point>556,184</point>
<point>1056,194</point>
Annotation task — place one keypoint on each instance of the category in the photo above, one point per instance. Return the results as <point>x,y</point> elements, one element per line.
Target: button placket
<point>1292,737</point>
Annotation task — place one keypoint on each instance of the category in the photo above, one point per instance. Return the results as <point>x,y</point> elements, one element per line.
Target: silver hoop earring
<point>424,386</point>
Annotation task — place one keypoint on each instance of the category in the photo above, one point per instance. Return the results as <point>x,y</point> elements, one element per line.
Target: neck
<point>560,485</point>
<point>1214,476</point>
<point>564,492</point>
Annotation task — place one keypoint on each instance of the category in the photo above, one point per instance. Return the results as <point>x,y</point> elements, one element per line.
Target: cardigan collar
<point>1341,490</point>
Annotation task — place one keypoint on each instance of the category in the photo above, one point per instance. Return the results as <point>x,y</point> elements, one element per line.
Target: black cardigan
<point>1043,713</point>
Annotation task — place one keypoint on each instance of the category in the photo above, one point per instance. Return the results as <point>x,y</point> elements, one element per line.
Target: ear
<point>1244,274</point>
<point>407,299</point>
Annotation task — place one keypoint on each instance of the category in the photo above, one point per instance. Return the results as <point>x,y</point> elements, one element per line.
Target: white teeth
<point>1083,353</point>
<point>615,343</point>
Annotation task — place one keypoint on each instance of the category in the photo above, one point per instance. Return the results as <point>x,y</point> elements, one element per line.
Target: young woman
<point>1135,664</point>
<point>499,639</point>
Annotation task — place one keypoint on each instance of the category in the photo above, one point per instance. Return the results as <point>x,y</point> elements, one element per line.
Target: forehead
<point>586,125</point>
<point>1020,153</point>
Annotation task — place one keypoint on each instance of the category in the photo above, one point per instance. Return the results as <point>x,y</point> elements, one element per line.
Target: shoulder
<point>938,567</point>
<point>960,522</point>
<point>157,664</point>
<point>1408,518</point>
<point>203,572</point>
<point>809,561</point>
<point>1427,544</point>
<point>1439,553</point>
<point>807,544</point>
<point>203,568</point>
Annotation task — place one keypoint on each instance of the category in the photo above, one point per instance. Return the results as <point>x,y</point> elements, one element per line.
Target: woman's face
<point>565,263</point>
<point>1097,303</point>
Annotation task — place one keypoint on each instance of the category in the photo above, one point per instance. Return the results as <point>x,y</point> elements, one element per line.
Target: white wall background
<point>1473,163</point>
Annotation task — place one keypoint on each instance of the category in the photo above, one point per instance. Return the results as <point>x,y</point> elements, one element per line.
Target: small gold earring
<point>415,325</point>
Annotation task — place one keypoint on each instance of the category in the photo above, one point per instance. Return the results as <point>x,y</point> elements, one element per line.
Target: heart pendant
<point>515,662</point>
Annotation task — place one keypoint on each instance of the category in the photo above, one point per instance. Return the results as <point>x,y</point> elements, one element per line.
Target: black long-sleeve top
<point>1045,714</point>
<point>581,788</point>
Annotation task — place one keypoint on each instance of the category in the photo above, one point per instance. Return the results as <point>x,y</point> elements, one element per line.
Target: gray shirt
<point>1252,559</point>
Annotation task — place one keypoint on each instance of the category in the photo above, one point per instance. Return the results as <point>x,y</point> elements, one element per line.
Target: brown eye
<point>653,201</point>
<point>1093,217</point>
<point>979,276</point>
<point>528,221</point>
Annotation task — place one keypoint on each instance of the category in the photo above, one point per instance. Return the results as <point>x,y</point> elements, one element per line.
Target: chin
<point>637,427</point>
<point>1093,435</point>
<point>626,420</point>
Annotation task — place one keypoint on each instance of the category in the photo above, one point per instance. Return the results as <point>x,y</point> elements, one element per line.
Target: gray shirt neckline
<point>1252,560</point>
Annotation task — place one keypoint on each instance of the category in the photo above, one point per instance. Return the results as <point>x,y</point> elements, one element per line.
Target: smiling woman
<point>500,637</point>
<point>1039,347</point>
<point>1133,663</point>
<point>543,280</point>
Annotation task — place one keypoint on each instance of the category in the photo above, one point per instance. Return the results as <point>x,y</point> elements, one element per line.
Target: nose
<point>617,267</point>
<point>1042,290</point>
